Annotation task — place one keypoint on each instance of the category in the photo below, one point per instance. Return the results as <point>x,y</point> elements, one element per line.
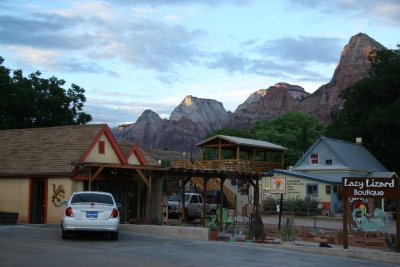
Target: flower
<point>278,181</point>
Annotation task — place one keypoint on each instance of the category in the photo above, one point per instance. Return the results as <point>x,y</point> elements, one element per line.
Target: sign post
<point>365,187</point>
<point>278,186</point>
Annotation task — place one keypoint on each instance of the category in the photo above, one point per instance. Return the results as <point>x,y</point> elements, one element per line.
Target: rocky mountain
<point>194,117</point>
<point>268,103</point>
<point>188,124</point>
<point>208,113</point>
<point>283,97</point>
<point>352,67</point>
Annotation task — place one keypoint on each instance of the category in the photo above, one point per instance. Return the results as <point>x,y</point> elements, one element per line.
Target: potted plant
<point>213,231</point>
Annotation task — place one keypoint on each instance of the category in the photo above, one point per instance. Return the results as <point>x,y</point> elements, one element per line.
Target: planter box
<point>8,217</point>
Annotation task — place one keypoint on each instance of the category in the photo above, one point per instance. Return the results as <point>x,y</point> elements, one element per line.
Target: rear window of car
<point>92,198</point>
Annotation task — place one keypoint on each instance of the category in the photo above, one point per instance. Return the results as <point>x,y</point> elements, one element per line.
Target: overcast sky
<point>135,55</point>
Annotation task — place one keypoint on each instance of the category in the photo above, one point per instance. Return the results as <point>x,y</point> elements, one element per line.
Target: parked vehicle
<point>91,211</point>
<point>193,204</point>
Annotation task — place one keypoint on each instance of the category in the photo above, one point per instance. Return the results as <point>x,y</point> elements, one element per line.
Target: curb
<point>200,233</point>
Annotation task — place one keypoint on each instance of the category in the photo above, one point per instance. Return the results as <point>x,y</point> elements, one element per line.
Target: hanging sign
<point>370,187</point>
<point>278,185</point>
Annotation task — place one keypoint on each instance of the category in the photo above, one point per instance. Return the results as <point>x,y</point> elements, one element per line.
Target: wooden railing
<point>239,165</point>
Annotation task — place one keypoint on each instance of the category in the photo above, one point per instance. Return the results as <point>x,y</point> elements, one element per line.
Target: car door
<point>194,205</point>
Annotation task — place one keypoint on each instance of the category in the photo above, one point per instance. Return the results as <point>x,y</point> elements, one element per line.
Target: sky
<point>135,55</point>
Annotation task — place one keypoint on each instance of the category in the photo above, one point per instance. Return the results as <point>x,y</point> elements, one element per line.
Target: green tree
<point>229,132</point>
<point>296,131</point>
<point>371,109</point>
<point>28,102</point>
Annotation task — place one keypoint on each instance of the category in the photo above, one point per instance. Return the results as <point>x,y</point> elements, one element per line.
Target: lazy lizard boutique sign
<point>369,188</point>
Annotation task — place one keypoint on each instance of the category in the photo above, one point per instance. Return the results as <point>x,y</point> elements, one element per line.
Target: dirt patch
<point>378,241</point>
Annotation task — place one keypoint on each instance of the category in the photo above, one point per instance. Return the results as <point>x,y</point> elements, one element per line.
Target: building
<point>318,174</point>
<point>41,167</point>
<point>244,160</point>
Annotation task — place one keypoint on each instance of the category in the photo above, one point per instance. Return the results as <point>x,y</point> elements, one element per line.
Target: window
<point>194,199</point>
<point>102,147</point>
<point>312,190</point>
<point>314,159</point>
<point>328,162</point>
<point>92,198</point>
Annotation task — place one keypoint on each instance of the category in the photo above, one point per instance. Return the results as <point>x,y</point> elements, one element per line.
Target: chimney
<point>359,140</point>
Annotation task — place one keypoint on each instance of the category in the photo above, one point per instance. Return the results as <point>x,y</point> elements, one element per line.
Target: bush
<point>293,206</point>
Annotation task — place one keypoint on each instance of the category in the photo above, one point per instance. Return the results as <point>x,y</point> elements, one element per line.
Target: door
<point>38,201</point>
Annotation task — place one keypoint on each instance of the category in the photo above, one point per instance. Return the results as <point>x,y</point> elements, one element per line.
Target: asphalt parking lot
<point>25,245</point>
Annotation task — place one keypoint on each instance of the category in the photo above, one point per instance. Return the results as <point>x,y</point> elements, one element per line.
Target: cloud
<point>285,57</point>
<point>140,42</point>
<point>230,62</point>
<point>181,2</point>
<point>303,49</point>
<point>58,61</point>
<point>157,46</point>
<point>42,32</point>
<point>116,112</point>
<point>387,10</point>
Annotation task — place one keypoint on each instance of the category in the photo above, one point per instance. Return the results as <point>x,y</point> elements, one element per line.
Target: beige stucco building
<point>40,168</point>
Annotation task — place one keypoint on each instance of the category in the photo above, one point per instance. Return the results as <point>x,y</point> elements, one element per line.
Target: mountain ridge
<point>194,117</point>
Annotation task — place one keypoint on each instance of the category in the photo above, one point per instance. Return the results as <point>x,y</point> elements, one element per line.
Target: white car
<point>91,211</point>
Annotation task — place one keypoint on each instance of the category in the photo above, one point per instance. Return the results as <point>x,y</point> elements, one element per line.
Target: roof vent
<point>359,140</point>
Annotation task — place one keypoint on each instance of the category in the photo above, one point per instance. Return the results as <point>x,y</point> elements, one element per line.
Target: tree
<point>28,102</point>
<point>296,131</point>
<point>371,109</point>
<point>229,132</point>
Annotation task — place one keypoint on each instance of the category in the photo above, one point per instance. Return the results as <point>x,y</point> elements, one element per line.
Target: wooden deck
<point>231,164</point>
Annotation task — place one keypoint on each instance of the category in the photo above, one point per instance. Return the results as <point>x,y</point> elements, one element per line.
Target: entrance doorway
<point>38,201</point>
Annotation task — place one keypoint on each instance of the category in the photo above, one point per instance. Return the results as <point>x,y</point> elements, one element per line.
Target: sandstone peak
<point>353,66</point>
<point>210,113</point>
<point>188,100</point>
<point>148,115</point>
<point>355,56</point>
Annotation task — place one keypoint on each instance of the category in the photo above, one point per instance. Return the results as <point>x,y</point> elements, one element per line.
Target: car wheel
<point>64,234</point>
<point>114,235</point>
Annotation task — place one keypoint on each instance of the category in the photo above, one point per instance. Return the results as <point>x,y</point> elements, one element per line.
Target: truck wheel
<point>185,219</point>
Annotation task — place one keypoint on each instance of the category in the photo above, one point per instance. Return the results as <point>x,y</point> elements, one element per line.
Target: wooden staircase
<point>212,184</point>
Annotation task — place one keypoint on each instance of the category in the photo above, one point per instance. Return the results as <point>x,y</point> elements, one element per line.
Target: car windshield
<point>92,198</point>
<point>174,198</point>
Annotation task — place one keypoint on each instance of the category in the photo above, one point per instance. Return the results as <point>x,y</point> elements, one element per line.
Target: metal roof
<point>244,142</point>
<point>354,156</point>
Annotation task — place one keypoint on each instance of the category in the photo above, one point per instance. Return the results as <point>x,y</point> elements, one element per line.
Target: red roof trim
<point>136,151</point>
<point>107,132</point>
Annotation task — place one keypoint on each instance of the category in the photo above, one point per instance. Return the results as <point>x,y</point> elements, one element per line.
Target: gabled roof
<point>352,155</point>
<point>129,148</point>
<point>49,151</point>
<point>244,142</point>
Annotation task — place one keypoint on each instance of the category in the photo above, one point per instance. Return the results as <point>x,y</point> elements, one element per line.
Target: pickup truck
<point>193,205</point>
